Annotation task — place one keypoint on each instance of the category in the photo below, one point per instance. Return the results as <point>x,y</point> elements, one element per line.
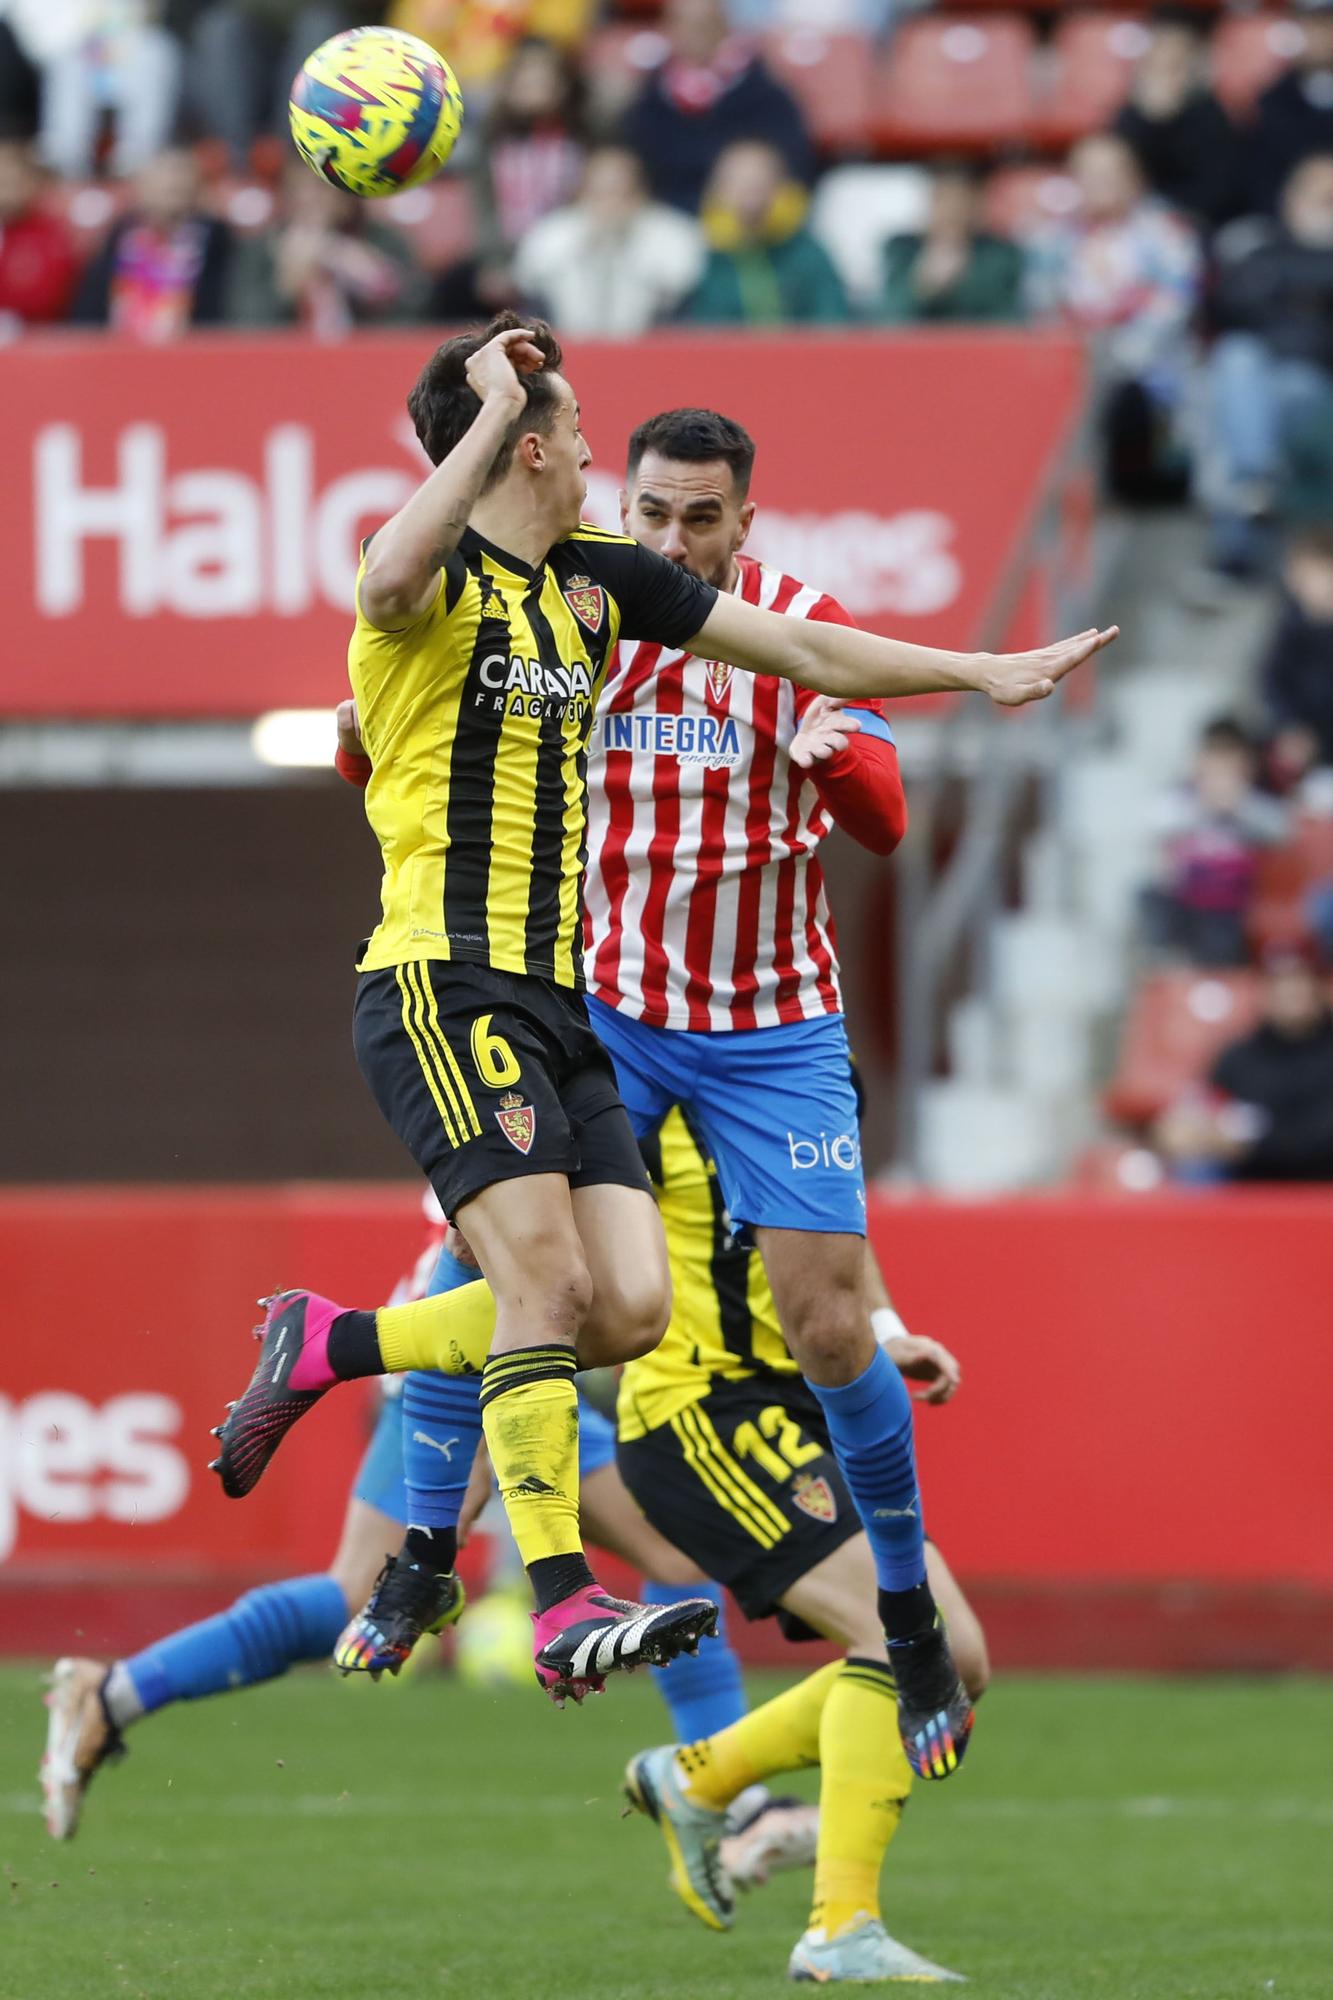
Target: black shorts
<point>744,1482</point>
<point>486,1076</point>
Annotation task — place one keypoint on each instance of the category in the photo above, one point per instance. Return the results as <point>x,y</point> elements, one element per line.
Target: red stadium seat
<point>1178,1022</point>
<point>831,77</point>
<point>1286,876</point>
<point>436,219</point>
<point>1093,58</point>
<point>1022,201</point>
<point>1248,52</point>
<point>956,84</point>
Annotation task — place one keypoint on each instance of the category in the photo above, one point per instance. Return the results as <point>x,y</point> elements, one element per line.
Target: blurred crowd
<point>1194,251</point>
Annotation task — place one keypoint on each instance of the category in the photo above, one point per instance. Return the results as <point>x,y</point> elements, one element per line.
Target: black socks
<point>554,1577</point>
<point>354,1346</point>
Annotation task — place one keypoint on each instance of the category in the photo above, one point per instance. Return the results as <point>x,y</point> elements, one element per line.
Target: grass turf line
<point>1133,1839</point>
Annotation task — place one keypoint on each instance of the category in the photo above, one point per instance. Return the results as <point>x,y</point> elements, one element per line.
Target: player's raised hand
<point>824,731</point>
<point>1011,679</point>
<point>494,369</point>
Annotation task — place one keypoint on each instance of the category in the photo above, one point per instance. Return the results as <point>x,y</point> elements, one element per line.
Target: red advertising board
<point>179,526</point>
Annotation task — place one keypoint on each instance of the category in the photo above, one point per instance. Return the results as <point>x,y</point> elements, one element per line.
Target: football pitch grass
<point>1117,1838</point>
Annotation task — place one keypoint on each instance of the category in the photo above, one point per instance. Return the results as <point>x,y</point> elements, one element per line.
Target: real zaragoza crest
<point>586,600</point>
<point>517,1120</point>
<point>814,1497</point>
<point>719,674</point>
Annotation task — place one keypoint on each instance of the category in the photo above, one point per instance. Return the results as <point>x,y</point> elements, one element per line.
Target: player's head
<point>543,452</point>
<point>687,490</point>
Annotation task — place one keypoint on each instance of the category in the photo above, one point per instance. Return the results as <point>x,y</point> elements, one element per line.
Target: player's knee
<point>553,1290</point>
<point>634,1312</point>
<point>830,1336</point>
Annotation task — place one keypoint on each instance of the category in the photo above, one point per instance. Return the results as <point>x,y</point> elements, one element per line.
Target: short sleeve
<point>658,600</point>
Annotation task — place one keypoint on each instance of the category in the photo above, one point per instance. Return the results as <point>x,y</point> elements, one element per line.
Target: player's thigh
<point>621,1232</point>
<point>525,1237</point>
<point>818,1284</point>
<point>612,1520</point>
<point>654,1067</point>
<point>838,1598</point>
<point>967,1640</point>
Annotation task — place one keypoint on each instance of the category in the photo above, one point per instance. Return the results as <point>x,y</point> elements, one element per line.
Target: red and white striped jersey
<point>704,896</point>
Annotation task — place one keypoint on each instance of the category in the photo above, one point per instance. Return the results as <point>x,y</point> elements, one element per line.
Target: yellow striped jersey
<point>477,719</point>
<point>724,1323</point>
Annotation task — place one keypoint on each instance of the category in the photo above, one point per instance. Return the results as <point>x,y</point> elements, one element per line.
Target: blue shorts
<point>775,1107</point>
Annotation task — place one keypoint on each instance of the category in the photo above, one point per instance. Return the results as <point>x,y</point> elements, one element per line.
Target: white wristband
<point>886,1325</point>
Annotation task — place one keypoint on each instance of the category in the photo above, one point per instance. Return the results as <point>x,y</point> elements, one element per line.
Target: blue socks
<point>441,1424</point>
<point>259,1637</point>
<point>703,1690</point>
<point>870,1425</point>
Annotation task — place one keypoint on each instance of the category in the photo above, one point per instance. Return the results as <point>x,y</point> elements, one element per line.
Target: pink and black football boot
<point>291,1375</point>
<point>588,1635</point>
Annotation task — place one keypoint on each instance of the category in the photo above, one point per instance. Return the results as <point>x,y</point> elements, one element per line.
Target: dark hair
<point>570,111</point>
<point>697,437</point>
<point>443,407</point>
<point>1226,732</point>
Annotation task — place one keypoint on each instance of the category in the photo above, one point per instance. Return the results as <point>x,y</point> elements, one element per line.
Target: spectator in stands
<point>20,86</point>
<point>1294,117</point>
<point>479,36</point>
<point>1271,370</point>
<point>530,161</point>
<point>243,55</point>
<point>96,58</point>
<point>764,267</point>
<point>712,89</point>
<point>1297,675</point>
<point>1212,830</point>
<point>614,262</point>
<point>954,269</point>
<point>327,265</point>
<point>37,261</point>
<point>164,266</point>
<point>1189,149</point>
<point>1269,1115</point>
<point>1126,271</point>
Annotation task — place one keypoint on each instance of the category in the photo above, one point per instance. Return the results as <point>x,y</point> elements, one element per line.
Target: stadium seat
<point>1286,876</point>
<point>436,219</point>
<point>856,210</point>
<point>831,77</point>
<point>1092,62</point>
<point>1023,201</point>
<point>956,84</point>
<point>1247,53</point>
<point>1178,1022</point>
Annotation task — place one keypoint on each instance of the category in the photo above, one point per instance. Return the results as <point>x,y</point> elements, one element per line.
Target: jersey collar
<point>471,542</point>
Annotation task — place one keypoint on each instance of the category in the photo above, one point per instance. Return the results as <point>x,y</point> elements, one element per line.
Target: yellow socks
<point>864,1786</point>
<point>530,1414</point>
<point>451,1332</point>
<point>783,1735</point>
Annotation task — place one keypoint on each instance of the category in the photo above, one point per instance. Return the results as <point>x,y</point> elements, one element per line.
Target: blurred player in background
<point>727,1451</point>
<point>92,1703</point>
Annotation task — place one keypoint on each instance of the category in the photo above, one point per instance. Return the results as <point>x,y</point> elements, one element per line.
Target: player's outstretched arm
<point>403,562</point>
<point>840,660</point>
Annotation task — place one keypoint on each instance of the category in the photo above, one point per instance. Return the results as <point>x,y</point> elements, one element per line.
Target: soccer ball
<point>494,1648</point>
<point>375,111</point>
